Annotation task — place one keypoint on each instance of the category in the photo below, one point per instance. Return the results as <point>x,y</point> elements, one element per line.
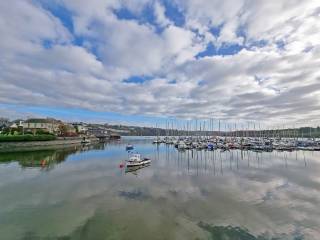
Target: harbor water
<point>85,192</point>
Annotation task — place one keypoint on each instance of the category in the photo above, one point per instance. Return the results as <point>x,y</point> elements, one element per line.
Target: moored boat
<point>136,160</point>
<point>129,147</point>
<point>85,141</point>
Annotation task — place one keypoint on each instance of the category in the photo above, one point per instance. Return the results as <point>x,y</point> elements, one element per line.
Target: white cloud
<point>24,25</point>
<point>276,81</point>
<point>161,18</point>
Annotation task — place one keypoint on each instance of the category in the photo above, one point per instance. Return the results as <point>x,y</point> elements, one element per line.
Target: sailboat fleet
<point>227,143</point>
<point>254,140</point>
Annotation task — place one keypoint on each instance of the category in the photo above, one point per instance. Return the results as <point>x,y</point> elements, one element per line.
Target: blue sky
<point>145,61</point>
<point>76,115</point>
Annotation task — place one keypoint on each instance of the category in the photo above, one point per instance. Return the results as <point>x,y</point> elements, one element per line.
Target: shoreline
<point>43,145</point>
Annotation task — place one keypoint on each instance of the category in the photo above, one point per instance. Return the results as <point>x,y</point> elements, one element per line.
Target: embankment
<point>43,145</point>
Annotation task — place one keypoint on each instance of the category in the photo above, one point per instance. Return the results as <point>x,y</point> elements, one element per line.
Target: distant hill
<point>149,131</point>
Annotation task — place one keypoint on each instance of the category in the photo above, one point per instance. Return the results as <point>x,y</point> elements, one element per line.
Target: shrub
<point>43,132</point>
<point>24,138</point>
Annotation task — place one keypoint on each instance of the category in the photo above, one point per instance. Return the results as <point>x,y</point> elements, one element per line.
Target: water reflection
<point>194,162</point>
<point>238,233</point>
<point>134,170</point>
<point>45,159</point>
<point>181,195</point>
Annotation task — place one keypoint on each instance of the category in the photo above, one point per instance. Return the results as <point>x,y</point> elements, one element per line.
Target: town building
<point>49,125</point>
<point>97,131</point>
<point>81,127</point>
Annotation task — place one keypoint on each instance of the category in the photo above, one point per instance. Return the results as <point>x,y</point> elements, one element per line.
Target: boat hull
<point>134,169</point>
<point>135,164</point>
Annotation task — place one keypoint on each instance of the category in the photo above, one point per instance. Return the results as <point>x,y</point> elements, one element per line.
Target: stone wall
<point>42,145</point>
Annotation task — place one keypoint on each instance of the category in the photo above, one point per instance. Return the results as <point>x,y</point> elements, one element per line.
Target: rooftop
<point>42,120</point>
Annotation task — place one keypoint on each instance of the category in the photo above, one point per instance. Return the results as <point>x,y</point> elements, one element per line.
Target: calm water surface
<point>81,193</point>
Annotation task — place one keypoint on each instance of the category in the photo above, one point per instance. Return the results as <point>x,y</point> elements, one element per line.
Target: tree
<point>6,130</point>
<point>63,129</point>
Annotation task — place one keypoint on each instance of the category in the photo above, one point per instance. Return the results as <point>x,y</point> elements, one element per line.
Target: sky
<point>146,61</point>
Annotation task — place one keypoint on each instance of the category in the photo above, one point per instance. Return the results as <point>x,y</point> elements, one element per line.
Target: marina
<point>160,120</point>
<point>209,135</point>
<point>253,144</point>
<point>181,194</point>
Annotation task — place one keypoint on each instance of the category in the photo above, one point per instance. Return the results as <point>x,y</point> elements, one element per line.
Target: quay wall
<point>43,145</point>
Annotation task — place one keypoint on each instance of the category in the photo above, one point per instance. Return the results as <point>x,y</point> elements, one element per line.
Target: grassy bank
<point>26,138</point>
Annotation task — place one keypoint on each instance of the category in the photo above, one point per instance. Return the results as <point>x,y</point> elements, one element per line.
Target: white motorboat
<point>136,160</point>
<point>156,141</point>
<point>181,145</point>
